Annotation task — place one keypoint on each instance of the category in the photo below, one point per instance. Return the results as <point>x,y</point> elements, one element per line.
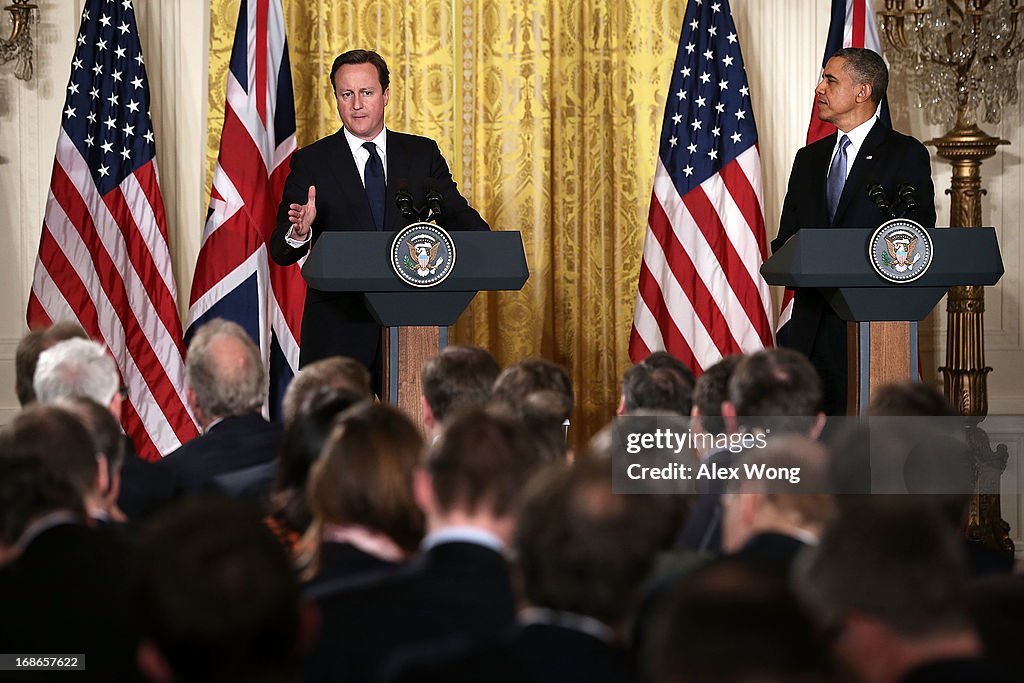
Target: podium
<point>883,316</point>
<point>416,320</point>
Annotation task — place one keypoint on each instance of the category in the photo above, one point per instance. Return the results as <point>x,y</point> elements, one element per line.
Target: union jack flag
<point>701,296</point>
<point>235,278</point>
<point>103,256</point>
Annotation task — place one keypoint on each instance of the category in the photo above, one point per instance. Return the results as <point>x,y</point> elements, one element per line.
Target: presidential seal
<point>900,250</point>
<point>422,254</point>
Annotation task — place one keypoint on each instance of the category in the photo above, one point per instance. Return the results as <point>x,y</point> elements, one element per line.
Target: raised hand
<point>301,216</point>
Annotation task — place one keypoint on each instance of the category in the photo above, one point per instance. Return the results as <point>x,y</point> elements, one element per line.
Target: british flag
<point>103,255</point>
<point>235,278</point>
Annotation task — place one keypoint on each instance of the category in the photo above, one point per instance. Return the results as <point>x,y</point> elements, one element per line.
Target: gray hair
<point>225,370</point>
<point>76,367</point>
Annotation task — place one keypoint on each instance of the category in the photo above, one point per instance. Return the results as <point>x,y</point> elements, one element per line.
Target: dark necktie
<point>373,179</point>
<point>836,178</point>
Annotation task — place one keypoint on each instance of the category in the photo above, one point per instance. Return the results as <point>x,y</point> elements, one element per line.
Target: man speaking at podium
<point>348,181</point>
<point>839,182</point>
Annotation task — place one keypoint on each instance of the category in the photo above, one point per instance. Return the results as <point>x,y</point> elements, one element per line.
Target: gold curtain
<point>549,115</point>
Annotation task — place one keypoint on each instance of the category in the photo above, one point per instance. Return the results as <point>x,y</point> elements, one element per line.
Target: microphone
<point>403,199</point>
<point>908,198</point>
<point>876,193</point>
<point>433,204</point>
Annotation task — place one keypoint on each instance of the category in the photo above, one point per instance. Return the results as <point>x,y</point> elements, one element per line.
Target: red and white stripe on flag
<point>235,279</point>
<point>852,25</point>
<point>701,296</point>
<point>103,255</point>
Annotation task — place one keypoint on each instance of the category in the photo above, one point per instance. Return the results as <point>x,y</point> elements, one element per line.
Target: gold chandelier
<point>19,45</point>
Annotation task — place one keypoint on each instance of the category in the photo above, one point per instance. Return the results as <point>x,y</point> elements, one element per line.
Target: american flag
<point>852,24</point>
<point>103,256</point>
<point>701,296</point>
<point>234,277</point>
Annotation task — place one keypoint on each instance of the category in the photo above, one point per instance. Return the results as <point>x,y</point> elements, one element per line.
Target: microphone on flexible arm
<point>876,193</point>
<point>907,195</point>
<point>434,198</point>
<point>403,199</point>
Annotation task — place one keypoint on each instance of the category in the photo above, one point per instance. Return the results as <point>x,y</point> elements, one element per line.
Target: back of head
<point>105,430</point>
<point>340,373</point>
<point>30,489</point>
<point>893,559</point>
<point>518,382</point>
<point>76,367</point>
<point>728,623</point>
<point>776,383</point>
<point>581,547</point>
<point>711,390</point>
<point>219,600</point>
<point>364,476</point>
<point>481,462</point>
<point>909,399</point>
<point>55,437</point>
<point>225,371</point>
<point>25,358</point>
<point>458,378</point>
<point>657,387</point>
<point>866,66</point>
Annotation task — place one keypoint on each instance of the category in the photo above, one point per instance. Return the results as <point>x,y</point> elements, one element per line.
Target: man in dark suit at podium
<point>829,187</point>
<point>348,181</point>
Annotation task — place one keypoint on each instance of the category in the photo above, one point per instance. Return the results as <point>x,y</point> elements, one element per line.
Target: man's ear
<point>102,475</point>
<point>732,423</point>
<point>423,490</point>
<point>819,425</point>
<point>428,415</point>
<point>621,410</point>
<point>152,663</point>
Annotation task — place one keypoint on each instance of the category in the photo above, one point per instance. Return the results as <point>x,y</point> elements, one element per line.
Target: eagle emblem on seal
<point>425,259</point>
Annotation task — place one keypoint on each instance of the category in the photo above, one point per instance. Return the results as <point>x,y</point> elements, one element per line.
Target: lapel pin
<point>869,157</point>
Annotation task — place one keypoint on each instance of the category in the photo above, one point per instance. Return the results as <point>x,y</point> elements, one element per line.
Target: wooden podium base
<point>405,351</point>
<point>878,353</point>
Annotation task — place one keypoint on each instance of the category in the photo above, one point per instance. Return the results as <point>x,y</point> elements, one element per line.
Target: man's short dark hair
<point>105,430</point>
<point>776,383</point>
<point>219,599</point>
<point>519,381</point>
<point>651,387</point>
<point>336,372</point>
<point>363,57</point>
<point>909,399</point>
<point>711,390</point>
<point>27,354</point>
<point>29,489</point>
<point>892,558</point>
<point>459,377</point>
<point>866,66</point>
<point>483,460</point>
<point>58,439</point>
<point>583,548</point>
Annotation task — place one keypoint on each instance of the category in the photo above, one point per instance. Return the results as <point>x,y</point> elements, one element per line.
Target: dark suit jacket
<point>453,592</point>
<point>536,653</point>
<point>146,487</point>
<point>233,444</point>
<point>339,324</point>
<point>703,528</point>
<point>886,157</point>
<point>770,552</point>
<point>346,561</point>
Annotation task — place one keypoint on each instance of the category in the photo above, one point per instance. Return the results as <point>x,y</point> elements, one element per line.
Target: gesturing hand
<point>301,216</point>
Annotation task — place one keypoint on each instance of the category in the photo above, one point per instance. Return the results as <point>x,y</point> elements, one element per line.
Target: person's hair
<point>303,441</point>
<point>483,460</point>
<point>25,358</point>
<point>664,359</point>
<point>337,372</point>
<point>909,399</point>
<point>582,548</point>
<point>218,597</point>
<point>892,558</point>
<point>777,383</point>
<point>76,367</point>
<point>364,475</point>
<point>807,500</point>
<point>728,623</point>
<point>57,438</point>
<point>105,430</point>
<point>29,488</point>
<point>362,57</point>
<point>866,66</point>
<point>711,390</point>
<point>228,380</point>
<point>518,382</point>
<point>459,377</point>
<point>657,388</point>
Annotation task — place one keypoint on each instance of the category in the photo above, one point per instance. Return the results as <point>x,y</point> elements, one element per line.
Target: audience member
<point>582,554</point>
<point>458,378</point>
<point>889,584</point>
<point>766,522</point>
<point>110,452</point>
<point>342,374</point>
<point>728,623</point>
<point>365,516</point>
<point>710,391</point>
<point>219,602</point>
<point>27,354</point>
<point>459,588</point>
<point>288,509</point>
<point>996,604</point>
<point>226,386</point>
<point>659,382</point>
<point>538,392</point>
